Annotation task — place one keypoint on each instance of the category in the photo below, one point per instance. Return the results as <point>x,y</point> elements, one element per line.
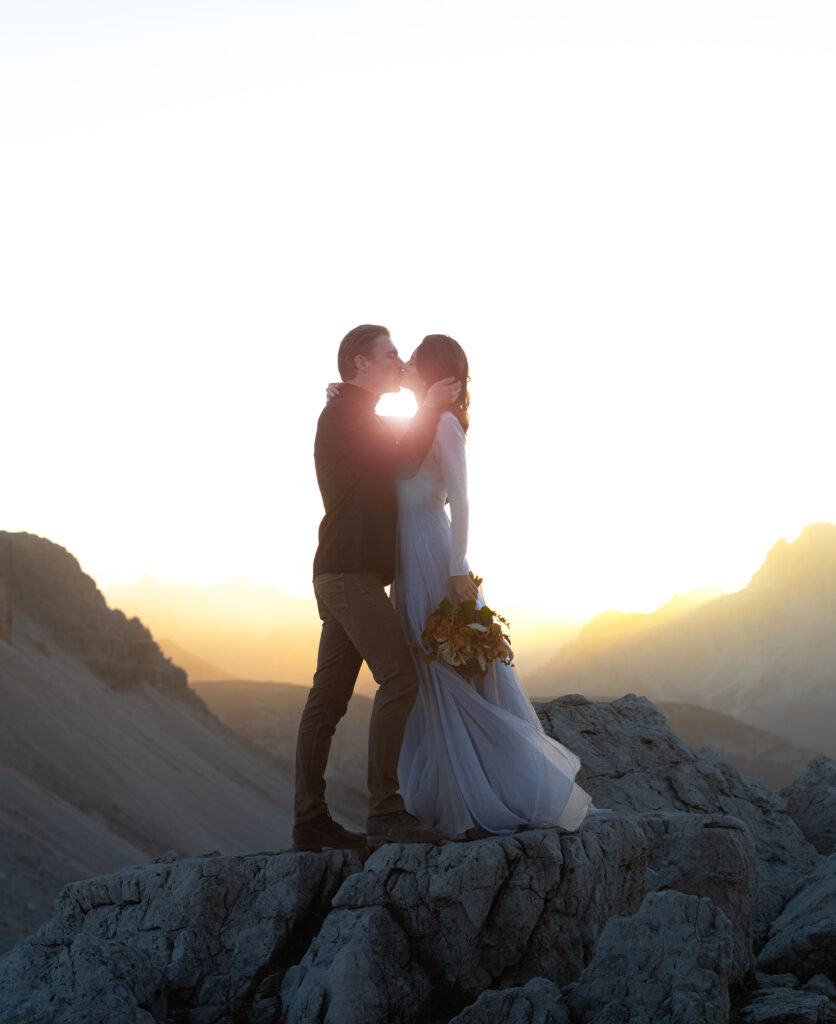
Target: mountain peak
<point>807,564</point>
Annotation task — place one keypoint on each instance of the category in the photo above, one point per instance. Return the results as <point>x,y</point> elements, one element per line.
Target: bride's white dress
<point>474,754</point>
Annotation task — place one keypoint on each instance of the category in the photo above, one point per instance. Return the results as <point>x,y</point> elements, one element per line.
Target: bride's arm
<point>454,472</point>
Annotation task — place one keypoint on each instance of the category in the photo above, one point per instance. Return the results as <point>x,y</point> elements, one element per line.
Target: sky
<point>623,211</point>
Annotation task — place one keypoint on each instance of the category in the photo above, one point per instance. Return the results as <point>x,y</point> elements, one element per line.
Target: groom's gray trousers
<point>358,624</point>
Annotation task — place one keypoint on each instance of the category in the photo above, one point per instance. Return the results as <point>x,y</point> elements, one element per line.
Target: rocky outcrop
<point>631,761</point>
<point>787,1004</point>
<point>203,939</point>
<point>714,857</point>
<point>650,912</point>
<point>811,803</point>
<point>473,916</point>
<point>538,1002</point>
<point>417,935</point>
<point>46,582</point>
<point>822,985</point>
<point>803,939</point>
<point>359,967</point>
<point>668,964</point>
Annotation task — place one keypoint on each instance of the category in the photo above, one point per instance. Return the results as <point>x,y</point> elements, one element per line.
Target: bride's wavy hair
<point>439,356</point>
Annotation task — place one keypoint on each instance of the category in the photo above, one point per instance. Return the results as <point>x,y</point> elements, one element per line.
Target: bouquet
<point>468,638</point>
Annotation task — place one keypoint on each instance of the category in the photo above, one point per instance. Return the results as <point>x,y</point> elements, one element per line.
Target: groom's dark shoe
<point>325,834</point>
<point>400,827</point>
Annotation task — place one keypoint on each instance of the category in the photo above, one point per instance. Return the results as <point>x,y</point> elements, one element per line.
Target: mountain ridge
<point>764,654</point>
<point>107,757</point>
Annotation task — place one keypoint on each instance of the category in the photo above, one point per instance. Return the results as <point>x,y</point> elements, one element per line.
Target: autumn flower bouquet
<point>468,638</point>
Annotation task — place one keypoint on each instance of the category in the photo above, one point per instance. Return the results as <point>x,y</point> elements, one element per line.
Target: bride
<point>475,758</point>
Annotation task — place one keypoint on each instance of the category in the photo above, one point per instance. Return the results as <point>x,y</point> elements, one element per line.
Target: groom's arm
<point>350,436</point>
<point>356,441</point>
<point>368,445</point>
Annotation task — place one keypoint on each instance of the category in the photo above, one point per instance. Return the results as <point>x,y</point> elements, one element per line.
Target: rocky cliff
<point>695,899</point>
<point>106,758</point>
<point>45,582</point>
<point>252,630</point>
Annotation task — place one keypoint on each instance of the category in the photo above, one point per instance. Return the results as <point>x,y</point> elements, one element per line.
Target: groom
<point>357,461</point>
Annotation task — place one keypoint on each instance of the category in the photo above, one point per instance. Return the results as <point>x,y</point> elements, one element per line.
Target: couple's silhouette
<point>449,757</point>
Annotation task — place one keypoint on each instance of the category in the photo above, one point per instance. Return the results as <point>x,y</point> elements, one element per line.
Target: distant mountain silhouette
<point>253,630</point>
<point>613,626</point>
<point>107,757</point>
<point>752,751</point>
<point>765,655</point>
<point>195,667</point>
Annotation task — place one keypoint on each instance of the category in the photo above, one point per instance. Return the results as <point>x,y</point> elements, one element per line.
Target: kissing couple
<point>449,757</point>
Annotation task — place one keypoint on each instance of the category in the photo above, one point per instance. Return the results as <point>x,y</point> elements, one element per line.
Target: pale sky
<point>623,211</point>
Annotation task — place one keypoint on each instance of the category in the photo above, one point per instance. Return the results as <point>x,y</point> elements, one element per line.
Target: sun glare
<point>626,219</point>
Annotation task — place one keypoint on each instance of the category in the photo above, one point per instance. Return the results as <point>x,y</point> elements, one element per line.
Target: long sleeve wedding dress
<point>474,755</point>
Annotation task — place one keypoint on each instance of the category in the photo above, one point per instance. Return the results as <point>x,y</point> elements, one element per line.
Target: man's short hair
<point>358,342</point>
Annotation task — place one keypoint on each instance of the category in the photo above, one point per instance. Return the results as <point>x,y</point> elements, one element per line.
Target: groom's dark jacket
<point>357,462</point>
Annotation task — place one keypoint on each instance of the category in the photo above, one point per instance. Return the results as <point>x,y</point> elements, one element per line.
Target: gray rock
<point>358,968</point>
<point>823,985</point>
<point>803,939</point>
<point>811,803</point>
<point>714,856</point>
<point>789,1006</point>
<point>100,980</point>
<point>776,980</point>
<point>503,910</point>
<point>538,1002</point>
<point>197,936</point>
<point>489,914</point>
<point>631,761</point>
<point>667,964</point>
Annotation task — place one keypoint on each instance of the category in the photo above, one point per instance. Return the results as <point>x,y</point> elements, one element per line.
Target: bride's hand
<point>443,393</point>
<point>465,588</point>
<point>331,391</point>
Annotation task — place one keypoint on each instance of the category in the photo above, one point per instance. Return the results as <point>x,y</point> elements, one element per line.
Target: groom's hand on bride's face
<point>442,393</point>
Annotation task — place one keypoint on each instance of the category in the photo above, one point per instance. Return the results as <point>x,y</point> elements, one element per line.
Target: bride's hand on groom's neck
<point>442,394</point>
